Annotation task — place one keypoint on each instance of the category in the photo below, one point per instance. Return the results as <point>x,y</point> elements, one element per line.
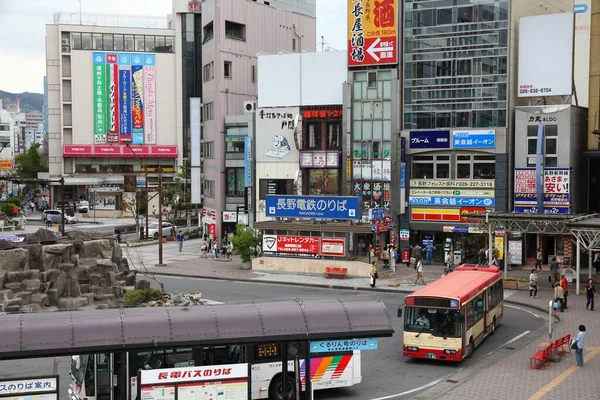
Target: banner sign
<point>474,139</point>
<point>113,98</point>
<point>435,214</point>
<point>119,151</point>
<point>372,32</point>
<point>137,98</point>
<point>547,210</point>
<point>305,245</point>
<point>556,186</point>
<point>330,346</point>
<point>125,96</point>
<point>319,159</point>
<point>452,192</point>
<point>452,201</point>
<point>333,246</point>
<point>325,207</point>
<point>278,141</point>
<point>149,99</point>
<point>450,183</point>
<point>100,127</point>
<point>429,140</point>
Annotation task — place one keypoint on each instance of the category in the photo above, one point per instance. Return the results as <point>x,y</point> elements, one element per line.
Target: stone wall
<point>68,272</point>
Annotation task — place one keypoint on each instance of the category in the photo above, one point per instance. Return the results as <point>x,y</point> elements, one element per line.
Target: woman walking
<point>590,291</point>
<point>374,275</point>
<point>580,340</point>
<point>533,284</point>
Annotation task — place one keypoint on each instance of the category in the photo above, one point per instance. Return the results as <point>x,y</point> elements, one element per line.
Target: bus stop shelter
<point>584,228</point>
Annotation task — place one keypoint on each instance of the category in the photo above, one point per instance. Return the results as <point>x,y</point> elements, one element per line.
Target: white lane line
<point>523,309</point>
<point>515,339</point>
<point>430,384</point>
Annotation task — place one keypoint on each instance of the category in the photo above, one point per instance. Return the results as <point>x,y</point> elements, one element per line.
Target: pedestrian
<point>412,260</point>
<point>224,245</point>
<point>385,257</point>
<point>393,257</point>
<point>590,291</point>
<point>580,340</point>
<point>229,250</point>
<point>154,211</point>
<point>564,283</point>
<point>374,274</point>
<point>180,239</point>
<point>597,263</point>
<point>420,272</point>
<point>559,295</point>
<point>418,251</point>
<point>23,222</point>
<point>215,250</point>
<point>538,259</point>
<point>554,271</point>
<point>481,256</point>
<point>32,206</point>
<point>533,284</point>
<point>429,252</point>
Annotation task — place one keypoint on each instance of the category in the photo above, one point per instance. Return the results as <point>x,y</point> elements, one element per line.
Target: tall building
<point>32,119</point>
<point>217,46</point>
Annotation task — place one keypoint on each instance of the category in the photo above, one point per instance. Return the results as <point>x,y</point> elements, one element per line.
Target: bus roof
<point>462,284</point>
<point>86,331</point>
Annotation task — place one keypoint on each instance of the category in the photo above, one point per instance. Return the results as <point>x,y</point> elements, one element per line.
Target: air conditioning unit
<point>65,42</point>
<point>250,106</point>
<point>66,49</point>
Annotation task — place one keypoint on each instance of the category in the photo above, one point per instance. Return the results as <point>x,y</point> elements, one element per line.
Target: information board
<point>36,388</point>
<point>158,392</point>
<point>219,390</point>
<point>515,252</point>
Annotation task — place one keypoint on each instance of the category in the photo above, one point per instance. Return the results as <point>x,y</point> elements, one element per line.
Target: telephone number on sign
<point>535,90</point>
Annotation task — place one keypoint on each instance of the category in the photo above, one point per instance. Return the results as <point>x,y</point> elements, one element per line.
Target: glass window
<point>96,41</point>
<point>333,136</point>
<point>377,130</point>
<point>387,89</point>
<point>531,146</point>
<point>109,44</point>
<point>377,110</point>
<point>367,128</point>
<point>356,153</point>
<point>387,150</point>
<point>227,69</point>
<point>129,43</point>
<point>360,76</point>
<point>422,170</point>
<point>372,80</point>
<point>367,146</point>
<point>357,92</point>
<point>149,43</point>
<point>139,43</point>
<point>357,130</point>
<point>323,181</point>
<point>86,41</point>
<point>233,30</point>
<point>444,16</point>
<point>119,43</point>
<point>484,169</point>
<point>442,170</point>
<point>314,136</point>
<point>367,110</point>
<point>463,171</point>
<point>438,322</point>
<point>169,40</point>
<point>235,182</point>
<point>76,40</point>
<point>377,150</point>
<point>160,43</point>
<point>551,146</point>
<point>464,14</point>
<point>234,145</point>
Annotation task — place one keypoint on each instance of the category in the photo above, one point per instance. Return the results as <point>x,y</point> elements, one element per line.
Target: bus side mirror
<point>399,312</point>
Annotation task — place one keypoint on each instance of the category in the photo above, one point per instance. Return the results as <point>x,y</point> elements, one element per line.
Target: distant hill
<point>29,101</point>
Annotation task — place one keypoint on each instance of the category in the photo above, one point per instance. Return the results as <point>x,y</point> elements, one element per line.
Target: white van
<point>83,207</point>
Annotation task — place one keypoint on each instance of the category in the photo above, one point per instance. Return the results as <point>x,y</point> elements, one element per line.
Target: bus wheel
<point>471,348</point>
<point>493,326</point>
<point>276,388</point>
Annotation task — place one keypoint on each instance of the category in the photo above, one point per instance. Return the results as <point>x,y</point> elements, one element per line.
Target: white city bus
<point>113,376</point>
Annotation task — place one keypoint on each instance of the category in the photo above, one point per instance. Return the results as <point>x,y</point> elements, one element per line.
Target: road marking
<point>515,338</point>
<point>556,381</point>
<point>430,384</point>
<point>523,309</point>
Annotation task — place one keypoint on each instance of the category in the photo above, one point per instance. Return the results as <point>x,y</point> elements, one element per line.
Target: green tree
<point>29,164</point>
<point>245,242</point>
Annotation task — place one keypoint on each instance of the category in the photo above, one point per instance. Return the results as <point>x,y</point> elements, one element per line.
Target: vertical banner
<point>539,169</point>
<point>248,161</point>
<point>100,127</point>
<point>137,98</point>
<point>113,97</point>
<point>150,98</point>
<point>125,96</point>
<point>196,134</point>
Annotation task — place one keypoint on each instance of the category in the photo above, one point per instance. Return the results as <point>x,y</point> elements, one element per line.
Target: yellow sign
<point>6,165</point>
<point>348,168</point>
<point>453,183</point>
<point>372,32</point>
<point>452,192</point>
<point>499,246</point>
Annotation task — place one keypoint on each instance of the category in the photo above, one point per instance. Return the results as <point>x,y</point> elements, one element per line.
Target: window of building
<point>234,145</point>
<point>237,130</point>
<point>314,136</point>
<point>170,41</point>
<point>208,189</point>
<point>293,44</point>
<point>208,32</point>
<point>109,43</point>
<point>323,181</point>
<point>207,150</point>
<point>475,166</point>
<point>76,41</point>
<point>149,43</point>
<point>139,43</point>
<point>227,69</point>
<point>275,186</point>
<point>119,43</point>
<point>160,44</point>
<point>208,71</point>
<point>96,41</point>
<point>333,136</point>
<point>86,41</point>
<point>235,181</point>
<point>464,14</point>
<point>550,148</point>
<point>253,73</point>
<point>129,43</point>
<point>233,30</point>
<point>208,111</point>
<point>431,167</point>
<point>372,80</point>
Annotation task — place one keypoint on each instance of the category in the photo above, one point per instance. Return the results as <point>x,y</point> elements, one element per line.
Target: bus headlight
<point>449,351</point>
<point>412,348</point>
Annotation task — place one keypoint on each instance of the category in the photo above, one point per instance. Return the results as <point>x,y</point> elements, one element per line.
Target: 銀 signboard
<point>322,207</point>
<point>372,32</point>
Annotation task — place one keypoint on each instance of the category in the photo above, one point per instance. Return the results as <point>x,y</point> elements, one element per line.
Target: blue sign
<point>402,149</point>
<point>474,139</point>
<point>247,161</point>
<point>403,176</point>
<point>429,139</point>
<point>531,198</point>
<point>453,303</point>
<point>325,207</point>
<point>547,210</point>
<point>451,201</point>
<point>580,8</point>
<point>331,346</point>
<point>377,213</point>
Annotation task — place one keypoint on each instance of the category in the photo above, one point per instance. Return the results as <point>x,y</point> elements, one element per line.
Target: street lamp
<point>128,144</point>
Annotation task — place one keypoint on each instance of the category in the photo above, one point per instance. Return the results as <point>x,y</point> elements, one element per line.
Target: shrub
<point>137,297</point>
<point>244,242</point>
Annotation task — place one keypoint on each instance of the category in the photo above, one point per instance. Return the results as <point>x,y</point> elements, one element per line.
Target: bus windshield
<point>438,322</point>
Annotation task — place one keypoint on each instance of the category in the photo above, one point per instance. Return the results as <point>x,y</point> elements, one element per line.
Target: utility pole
<point>145,168</point>
<point>160,220</point>
<point>62,205</point>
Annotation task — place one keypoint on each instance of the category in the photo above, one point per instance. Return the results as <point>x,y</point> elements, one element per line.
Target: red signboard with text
<point>291,244</point>
<point>372,32</point>
<point>119,151</point>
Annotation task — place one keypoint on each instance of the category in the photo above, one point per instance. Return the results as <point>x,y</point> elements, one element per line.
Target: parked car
<point>55,217</point>
<point>167,227</point>
<point>83,207</point>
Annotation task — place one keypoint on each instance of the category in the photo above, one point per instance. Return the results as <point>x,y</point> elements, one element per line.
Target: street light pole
<point>160,220</point>
<point>62,205</point>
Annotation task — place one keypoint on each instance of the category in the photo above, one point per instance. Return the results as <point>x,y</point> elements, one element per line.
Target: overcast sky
<point>22,32</point>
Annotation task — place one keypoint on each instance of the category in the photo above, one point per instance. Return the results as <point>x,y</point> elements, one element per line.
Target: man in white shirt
<point>420,272</point>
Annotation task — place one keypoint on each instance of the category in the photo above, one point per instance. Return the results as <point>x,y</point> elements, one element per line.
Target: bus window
<point>103,376</point>
<point>220,355</point>
<point>82,370</point>
<point>438,322</point>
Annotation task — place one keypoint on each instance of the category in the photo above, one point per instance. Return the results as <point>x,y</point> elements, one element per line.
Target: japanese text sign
<point>326,207</point>
<point>290,244</point>
<point>192,374</point>
<point>43,384</point>
<point>556,183</point>
<point>372,32</point>
<point>333,246</point>
<point>429,140</point>
<point>547,210</point>
<point>449,183</point>
<point>330,346</point>
<point>474,139</point>
<point>322,113</point>
<point>451,201</point>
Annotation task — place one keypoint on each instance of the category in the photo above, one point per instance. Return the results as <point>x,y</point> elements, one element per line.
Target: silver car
<point>54,216</point>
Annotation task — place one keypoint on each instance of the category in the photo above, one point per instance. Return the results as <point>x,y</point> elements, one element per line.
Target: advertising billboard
<point>453,183</point>
<point>556,182</point>
<point>124,98</point>
<point>429,140</point>
<point>451,201</point>
<point>276,140</point>
<point>474,139</point>
<point>372,32</point>
<point>546,70</point>
<point>583,17</point>
<point>303,246</point>
<point>333,246</point>
<point>322,207</point>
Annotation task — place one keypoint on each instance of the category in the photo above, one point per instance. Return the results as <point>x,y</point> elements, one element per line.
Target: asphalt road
<point>385,372</point>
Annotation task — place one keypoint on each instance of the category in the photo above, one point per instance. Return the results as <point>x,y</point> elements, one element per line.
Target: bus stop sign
<point>330,346</point>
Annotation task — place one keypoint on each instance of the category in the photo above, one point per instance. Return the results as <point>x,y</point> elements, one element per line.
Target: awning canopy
<point>73,332</point>
<point>296,225</point>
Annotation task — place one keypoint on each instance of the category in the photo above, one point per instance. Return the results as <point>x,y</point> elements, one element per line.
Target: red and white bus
<point>448,318</point>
